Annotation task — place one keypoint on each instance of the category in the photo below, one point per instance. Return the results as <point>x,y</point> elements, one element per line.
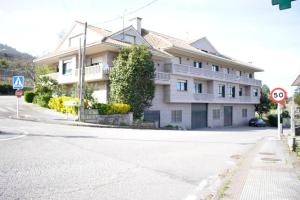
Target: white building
<point>196,86</point>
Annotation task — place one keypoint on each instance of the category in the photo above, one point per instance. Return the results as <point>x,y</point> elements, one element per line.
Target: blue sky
<point>251,30</point>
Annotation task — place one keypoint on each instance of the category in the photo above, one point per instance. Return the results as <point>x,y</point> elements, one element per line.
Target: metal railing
<point>205,73</point>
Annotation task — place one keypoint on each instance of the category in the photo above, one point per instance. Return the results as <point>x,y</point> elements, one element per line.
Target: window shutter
<point>233,91</point>
<point>223,91</point>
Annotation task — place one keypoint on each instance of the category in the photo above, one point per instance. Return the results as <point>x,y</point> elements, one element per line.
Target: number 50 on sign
<point>278,95</point>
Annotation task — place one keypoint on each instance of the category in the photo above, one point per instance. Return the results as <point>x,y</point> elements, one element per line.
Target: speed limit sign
<point>278,95</point>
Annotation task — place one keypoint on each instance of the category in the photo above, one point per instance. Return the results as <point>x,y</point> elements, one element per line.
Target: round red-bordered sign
<point>19,93</point>
<point>278,95</point>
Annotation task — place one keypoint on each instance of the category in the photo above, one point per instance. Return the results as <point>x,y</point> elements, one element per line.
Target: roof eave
<point>216,57</point>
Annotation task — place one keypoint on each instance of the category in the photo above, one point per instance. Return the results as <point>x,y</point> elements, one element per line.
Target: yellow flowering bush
<point>57,103</point>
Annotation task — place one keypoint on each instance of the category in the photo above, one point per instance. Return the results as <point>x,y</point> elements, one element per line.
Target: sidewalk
<point>32,112</point>
<point>269,172</point>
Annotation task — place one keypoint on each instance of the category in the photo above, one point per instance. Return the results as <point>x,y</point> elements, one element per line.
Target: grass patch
<point>222,192</point>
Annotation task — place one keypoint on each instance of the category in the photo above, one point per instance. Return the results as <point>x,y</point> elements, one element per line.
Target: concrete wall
<point>237,117</point>
<point>100,91</point>
<point>166,109</point>
<point>92,116</point>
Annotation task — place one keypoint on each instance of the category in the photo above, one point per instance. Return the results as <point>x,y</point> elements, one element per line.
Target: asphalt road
<point>49,161</point>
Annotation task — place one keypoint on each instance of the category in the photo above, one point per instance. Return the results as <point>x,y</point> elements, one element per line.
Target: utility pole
<point>82,81</point>
<point>79,70</point>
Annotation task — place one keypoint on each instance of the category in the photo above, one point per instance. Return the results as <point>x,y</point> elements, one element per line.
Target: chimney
<point>137,24</point>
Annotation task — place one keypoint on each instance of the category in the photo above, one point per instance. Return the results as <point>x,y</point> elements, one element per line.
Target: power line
<point>128,13</point>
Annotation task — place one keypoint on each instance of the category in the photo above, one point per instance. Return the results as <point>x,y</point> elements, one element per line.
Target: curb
<point>67,123</point>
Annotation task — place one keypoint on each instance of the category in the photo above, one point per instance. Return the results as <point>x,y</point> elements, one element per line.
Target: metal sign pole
<point>278,120</point>
<point>17,107</point>
<point>293,117</point>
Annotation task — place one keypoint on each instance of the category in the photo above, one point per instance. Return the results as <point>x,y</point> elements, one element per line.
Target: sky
<point>247,30</point>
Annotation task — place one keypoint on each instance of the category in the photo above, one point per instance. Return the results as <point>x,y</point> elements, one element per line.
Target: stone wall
<point>92,116</point>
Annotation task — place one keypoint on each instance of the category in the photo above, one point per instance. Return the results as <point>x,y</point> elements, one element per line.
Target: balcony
<point>210,98</point>
<point>162,78</point>
<point>208,74</point>
<point>92,73</point>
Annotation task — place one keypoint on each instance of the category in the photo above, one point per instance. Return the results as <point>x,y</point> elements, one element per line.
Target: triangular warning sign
<point>18,82</point>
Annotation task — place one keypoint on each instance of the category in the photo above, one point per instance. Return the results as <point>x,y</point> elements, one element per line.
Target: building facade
<point>196,86</point>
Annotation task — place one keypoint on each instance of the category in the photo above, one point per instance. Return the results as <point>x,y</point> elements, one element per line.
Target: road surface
<point>52,161</point>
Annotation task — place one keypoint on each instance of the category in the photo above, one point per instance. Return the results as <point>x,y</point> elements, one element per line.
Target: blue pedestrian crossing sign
<point>18,82</point>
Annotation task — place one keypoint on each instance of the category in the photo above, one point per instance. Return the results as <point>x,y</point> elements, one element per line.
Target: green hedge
<point>42,99</point>
<point>29,96</point>
<point>108,109</point>
<point>6,89</point>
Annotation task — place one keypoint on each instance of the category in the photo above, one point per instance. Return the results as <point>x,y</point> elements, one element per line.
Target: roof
<point>99,30</point>
<point>297,81</point>
<point>159,44</point>
<point>164,42</point>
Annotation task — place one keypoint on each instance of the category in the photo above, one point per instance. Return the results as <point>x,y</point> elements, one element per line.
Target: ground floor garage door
<point>199,115</point>
<point>152,116</point>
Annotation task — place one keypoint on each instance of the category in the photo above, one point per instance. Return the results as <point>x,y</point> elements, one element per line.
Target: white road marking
<point>14,138</point>
<point>3,110</point>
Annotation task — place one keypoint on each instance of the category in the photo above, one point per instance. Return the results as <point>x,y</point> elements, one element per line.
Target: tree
<point>265,102</point>
<point>297,98</point>
<point>132,79</point>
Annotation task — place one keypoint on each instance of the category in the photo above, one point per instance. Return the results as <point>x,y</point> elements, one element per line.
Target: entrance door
<point>152,116</point>
<point>227,115</point>
<point>199,115</point>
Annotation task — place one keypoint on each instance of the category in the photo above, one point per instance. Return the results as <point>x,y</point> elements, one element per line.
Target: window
<point>231,91</point>
<point>129,38</point>
<point>179,58</point>
<point>250,75</point>
<point>96,61</point>
<point>228,71</point>
<point>244,113</point>
<point>67,68</point>
<point>197,64</point>
<point>221,90</point>
<point>197,88</point>
<point>255,92</point>
<point>215,68</point>
<point>241,73</point>
<point>241,92</point>
<point>216,114</point>
<point>176,116</point>
<point>181,85</point>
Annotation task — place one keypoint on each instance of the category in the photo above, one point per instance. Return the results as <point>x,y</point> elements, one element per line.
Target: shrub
<point>272,120</point>
<point>120,108</point>
<point>42,99</point>
<point>6,89</point>
<point>108,109</point>
<point>28,96</point>
<point>57,103</point>
<point>103,109</point>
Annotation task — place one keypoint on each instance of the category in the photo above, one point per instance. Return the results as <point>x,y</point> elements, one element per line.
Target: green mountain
<point>10,58</point>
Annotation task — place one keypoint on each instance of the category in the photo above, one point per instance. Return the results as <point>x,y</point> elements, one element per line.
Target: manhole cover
<point>271,159</point>
<point>266,153</point>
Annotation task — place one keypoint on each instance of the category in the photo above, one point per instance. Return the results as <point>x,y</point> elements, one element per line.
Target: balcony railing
<point>162,77</point>
<point>208,98</point>
<point>208,74</point>
<point>92,73</point>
